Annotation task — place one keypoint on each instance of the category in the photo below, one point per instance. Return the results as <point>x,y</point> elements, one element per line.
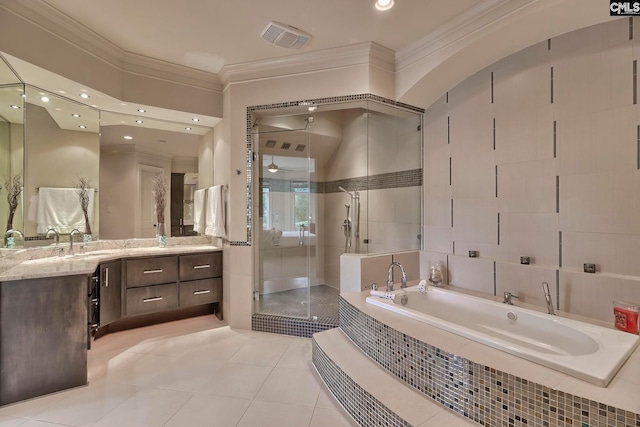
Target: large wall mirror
<point>12,110</point>
<point>50,145</point>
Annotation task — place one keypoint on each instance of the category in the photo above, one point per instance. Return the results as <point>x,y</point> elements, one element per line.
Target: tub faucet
<point>507,297</point>
<point>74,231</point>
<point>390,276</point>
<point>547,297</point>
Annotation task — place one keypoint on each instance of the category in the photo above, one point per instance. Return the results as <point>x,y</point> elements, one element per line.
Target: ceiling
<point>207,34</point>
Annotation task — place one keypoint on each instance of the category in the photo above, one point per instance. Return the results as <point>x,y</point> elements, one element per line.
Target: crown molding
<point>72,32</point>
<point>358,54</point>
<point>471,21</point>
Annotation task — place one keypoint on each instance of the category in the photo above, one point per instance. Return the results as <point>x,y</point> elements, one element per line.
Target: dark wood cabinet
<point>200,266</point>
<point>151,271</point>
<point>110,297</point>
<point>43,336</point>
<point>152,299</point>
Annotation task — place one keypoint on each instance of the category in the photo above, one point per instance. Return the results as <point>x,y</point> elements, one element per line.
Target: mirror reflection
<point>11,156</point>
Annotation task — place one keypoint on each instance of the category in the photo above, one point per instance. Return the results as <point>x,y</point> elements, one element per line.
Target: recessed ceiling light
<point>75,115</point>
<point>14,107</point>
<point>384,4</point>
<point>82,127</point>
<point>142,110</point>
<point>312,108</point>
<point>187,128</point>
<point>44,98</point>
<point>139,121</point>
<point>128,137</point>
<point>61,91</point>
<point>85,95</point>
<point>195,119</point>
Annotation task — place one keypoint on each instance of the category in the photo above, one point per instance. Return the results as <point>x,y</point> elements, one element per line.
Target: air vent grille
<point>285,36</point>
<point>300,147</point>
<point>271,143</point>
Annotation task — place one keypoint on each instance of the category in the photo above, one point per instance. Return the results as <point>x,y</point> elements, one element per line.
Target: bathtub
<point>582,350</point>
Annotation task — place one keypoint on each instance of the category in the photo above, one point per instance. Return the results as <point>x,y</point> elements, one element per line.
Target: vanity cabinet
<point>110,297</point>
<point>151,284</point>
<point>43,336</point>
<point>200,279</point>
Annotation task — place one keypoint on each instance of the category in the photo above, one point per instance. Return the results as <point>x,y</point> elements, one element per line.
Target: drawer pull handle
<point>197,267</point>
<point>152,299</point>
<point>206,291</point>
<point>152,271</point>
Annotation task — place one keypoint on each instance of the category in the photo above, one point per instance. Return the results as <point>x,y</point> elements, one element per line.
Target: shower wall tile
<point>486,250</point>
<point>596,54</point>
<point>407,202</point>
<point>591,295</point>
<point>436,125</point>
<point>475,274</point>
<point>532,235</point>
<point>471,114</point>
<point>271,265</point>
<point>475,220</point>
<point>611,253</point>
<point>524,134</point>
<point>382,204</point>
<point>437,206</point>
<point>600,203</point>
<point>436,166</point>
<point>525,281</point>
<point>586,146</point>
<point>438,239</point>
<point>473,175</point>
<point>522,80</point>
<point>527,186</point>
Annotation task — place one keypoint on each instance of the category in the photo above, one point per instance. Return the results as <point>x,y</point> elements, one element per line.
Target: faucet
<point>46,236</point>
<point>390,276</point>
<point>507,297</point>
<point>9,244</point>
<point>74,231</point>
<point>547,297</point>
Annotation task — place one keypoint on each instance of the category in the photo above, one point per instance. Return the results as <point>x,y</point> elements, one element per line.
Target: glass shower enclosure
<point>329,179</point>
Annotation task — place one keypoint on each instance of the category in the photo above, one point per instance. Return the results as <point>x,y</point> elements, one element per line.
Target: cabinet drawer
<point>198,292</point>
<point>152,271</point>
<point>200,266</point>
<point>150,299</point>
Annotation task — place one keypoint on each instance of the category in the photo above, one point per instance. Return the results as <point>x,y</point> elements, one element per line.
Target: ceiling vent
<point>285,36</point>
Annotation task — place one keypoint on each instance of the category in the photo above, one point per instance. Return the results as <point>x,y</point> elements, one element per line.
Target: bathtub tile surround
<point>482,393</point>
<point>537,155</point>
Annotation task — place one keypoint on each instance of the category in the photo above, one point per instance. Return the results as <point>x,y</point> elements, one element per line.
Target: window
<point>300,191</point>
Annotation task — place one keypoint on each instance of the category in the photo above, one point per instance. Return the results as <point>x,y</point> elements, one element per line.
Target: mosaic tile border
<point>316,101</point>
<point>481,393</point>
<point>291,326</point>
<point>409,178</point>
<point>365,409</point>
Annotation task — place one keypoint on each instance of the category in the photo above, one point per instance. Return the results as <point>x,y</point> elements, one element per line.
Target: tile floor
<point>193,372</point>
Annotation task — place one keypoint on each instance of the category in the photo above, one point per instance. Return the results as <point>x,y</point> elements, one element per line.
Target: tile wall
<point>538,155</point>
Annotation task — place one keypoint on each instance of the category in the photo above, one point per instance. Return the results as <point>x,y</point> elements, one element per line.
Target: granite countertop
<point>86,263</point>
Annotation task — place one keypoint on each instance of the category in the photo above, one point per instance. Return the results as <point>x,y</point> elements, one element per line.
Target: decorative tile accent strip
<point>291,325</point>
<point>410,178</point>
<point>481,393</point>
<point>361,405</point>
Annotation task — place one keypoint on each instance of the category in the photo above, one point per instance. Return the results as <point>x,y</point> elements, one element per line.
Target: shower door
<point>286,242</point>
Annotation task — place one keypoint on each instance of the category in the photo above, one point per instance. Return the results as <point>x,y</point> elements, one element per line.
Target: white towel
<point>199,211</point>
<point>215,212</point>
<point>59,208</point>
<point>384,295</point>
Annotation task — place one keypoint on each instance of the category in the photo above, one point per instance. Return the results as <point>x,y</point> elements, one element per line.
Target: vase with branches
<point>13,185</point>
<point>159,191</point>
<point>82,188</point>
